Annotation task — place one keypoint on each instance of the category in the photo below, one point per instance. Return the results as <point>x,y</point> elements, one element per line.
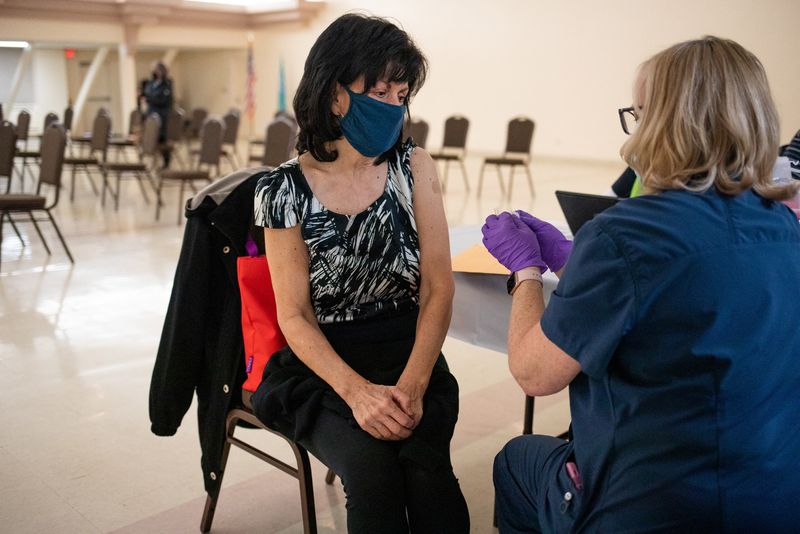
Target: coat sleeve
<point>180,355</point>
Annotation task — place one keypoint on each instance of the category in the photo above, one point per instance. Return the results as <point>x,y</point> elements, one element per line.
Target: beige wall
<point>568,64</point>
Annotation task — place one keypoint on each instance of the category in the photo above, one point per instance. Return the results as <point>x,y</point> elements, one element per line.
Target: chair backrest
<point>101,129</point>
<point>455,132</point>
<point>286,115</point>
<point>211,136</point>
<point>8,147</point>
<point>199,116</point>
<point>49,119</point>
<point>135,122</point>
<point>68,113</point>
<point>23,124</point>
<point>231,120</point>
<point>418,130</point>
<point>520,135</point>
<point>149,138</point>
<point>175,124</point>
<point>54,140</point>
<point>278,143</point>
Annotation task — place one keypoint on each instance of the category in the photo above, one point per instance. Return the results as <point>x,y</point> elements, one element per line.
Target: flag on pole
<point>250,95</point>
<point>281,88</point>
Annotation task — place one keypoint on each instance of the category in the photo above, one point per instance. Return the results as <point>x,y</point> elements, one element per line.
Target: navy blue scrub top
<point>682,309</point>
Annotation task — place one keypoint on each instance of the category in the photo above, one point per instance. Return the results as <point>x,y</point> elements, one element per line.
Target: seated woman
<point>672,324</point>
<point>357,245</point>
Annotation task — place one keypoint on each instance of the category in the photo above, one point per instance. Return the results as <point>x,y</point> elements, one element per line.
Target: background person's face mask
<point>371,126</point>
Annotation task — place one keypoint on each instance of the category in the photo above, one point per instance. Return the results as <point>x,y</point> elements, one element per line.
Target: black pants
<point>391,486</point>
<point>387,493</point>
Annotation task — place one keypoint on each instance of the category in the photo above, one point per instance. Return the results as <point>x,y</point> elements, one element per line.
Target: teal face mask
<point>371,126</point>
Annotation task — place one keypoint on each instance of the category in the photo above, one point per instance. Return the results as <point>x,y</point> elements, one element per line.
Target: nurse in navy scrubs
<point>674,323</point>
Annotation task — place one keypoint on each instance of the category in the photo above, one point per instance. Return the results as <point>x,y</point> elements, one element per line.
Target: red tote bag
<point>262,337</point>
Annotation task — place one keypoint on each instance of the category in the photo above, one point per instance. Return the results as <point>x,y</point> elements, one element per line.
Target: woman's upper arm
<point>287,256</point>
<point>434,240</point>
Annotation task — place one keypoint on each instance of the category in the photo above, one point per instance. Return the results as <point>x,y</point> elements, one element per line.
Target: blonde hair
<point>708,119</point>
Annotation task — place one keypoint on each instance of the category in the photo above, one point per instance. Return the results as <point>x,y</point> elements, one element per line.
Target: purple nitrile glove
<point>513,244</point>
<point>555,247</point>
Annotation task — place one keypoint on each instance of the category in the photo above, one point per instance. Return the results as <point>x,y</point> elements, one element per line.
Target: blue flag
<point>281,88</point>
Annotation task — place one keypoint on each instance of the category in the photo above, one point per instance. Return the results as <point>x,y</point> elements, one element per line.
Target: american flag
<point>250,95</point>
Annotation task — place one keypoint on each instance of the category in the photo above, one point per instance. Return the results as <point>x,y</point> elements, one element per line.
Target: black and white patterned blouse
<point>360,265</point>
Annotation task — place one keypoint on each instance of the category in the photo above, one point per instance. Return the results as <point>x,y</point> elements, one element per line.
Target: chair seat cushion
<point>123,166</point>
<point>448,157</point>
<point>121,142</point>
<point>184,175</point>
<point>504,161</point>
<point>21,202</point>
<point>27,154</point>
<point>80,161</point>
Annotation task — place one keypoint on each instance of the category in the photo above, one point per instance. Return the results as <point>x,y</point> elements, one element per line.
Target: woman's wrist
<point>414,384</point>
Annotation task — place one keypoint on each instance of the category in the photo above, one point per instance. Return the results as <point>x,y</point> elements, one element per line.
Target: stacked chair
<point>98,151</point>
<point>517,154</point>
<point>454,147</point>
<point>12,205</point>
<point>211,135</point>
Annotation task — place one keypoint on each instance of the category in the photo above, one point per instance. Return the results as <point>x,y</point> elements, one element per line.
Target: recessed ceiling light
<point>14,44</point>
<point>249,5</point>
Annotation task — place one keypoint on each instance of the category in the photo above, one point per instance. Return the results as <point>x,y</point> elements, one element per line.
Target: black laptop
<point>579,208</point>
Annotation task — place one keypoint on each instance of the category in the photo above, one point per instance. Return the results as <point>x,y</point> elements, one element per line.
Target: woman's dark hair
<point>353,45</point>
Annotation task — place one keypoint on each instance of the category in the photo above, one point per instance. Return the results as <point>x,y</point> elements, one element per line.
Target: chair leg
<point>60,237</point>
<point>158,198</point>
<point>527,422</point>
<point>2,217</point>
<point>444,179</point>
<point>464,173</point>
<point>500,179</point>
<point>510,180</point>
<point>330,477</point>
<point>180,201</point>
<point>72,185</point>
<point>141,187</point>
<point>105,187</point>
<point>306,490</point>
<point>91,180</point>
<point>530,179</point>
<point>39,231</point>
<point>16,230</point>
<point>480,178</point>
<point>117,192</point>
<point>213,497</point>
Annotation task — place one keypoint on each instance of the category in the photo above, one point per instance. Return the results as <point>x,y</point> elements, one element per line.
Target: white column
<point>22,66</point>
<point>127,85</point>
<point>91,74</point>
<point>169,57</point>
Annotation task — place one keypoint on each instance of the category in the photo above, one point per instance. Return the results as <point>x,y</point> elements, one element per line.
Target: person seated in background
<point>792,152</point>
<point>672,323</point>
<point>357,244</point>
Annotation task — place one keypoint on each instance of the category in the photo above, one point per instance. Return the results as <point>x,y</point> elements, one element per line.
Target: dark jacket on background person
<point>201,348</point>
<point>158,94</point>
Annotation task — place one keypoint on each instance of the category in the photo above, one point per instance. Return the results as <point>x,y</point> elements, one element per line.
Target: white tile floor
<point>77,345</point>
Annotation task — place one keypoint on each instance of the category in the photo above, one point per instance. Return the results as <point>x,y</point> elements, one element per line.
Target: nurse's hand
<point>378,413</point>
<point>511,241</point>
<point>555,247</point>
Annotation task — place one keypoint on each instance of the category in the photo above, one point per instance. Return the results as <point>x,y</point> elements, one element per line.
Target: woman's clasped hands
<point>385,412</point>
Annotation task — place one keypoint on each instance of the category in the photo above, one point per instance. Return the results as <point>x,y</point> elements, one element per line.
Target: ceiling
<point>206,13</point>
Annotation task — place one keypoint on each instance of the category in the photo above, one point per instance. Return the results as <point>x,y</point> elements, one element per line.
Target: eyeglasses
<point>628,119</point>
